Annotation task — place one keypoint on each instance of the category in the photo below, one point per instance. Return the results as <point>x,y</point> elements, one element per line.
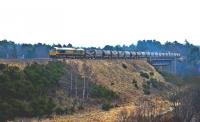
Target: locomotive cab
<point>66,52</point>
<point>52,53</point>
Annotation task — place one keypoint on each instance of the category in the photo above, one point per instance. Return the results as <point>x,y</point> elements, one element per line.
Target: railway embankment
<point>87,86</point>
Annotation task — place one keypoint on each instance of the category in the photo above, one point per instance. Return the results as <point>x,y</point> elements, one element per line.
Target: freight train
<point>58,52</point>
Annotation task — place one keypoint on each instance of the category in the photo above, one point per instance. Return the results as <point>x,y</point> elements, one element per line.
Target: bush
<point>144,75</point>
<point>106,106</point>
<point>112,83</point>
<point>134,81</point>
<point>177,80</point>
<point>146,89</point>
<point>98,91</point>
<point>59,111</point>
<point>135,84</point>
<point>2,66</point>
<point>124,66</point>
<point>80,106</point>
<point>24,93</point>
<point>155,83</point>
<point>71,110</point>
<point>66,110</point>
<point>151,73</point>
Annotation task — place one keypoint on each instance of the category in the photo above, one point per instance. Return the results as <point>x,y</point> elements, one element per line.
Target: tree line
<point>190,52</point>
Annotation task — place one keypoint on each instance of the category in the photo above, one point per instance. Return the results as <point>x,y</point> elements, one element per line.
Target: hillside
<point>88,86</point>
<point>119,76</point>
<point>125,79</point>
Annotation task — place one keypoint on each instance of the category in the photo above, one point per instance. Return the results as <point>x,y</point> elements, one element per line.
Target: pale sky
<point>99,22</point>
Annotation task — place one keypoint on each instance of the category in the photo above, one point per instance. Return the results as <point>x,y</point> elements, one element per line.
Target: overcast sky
<point>99,22</point>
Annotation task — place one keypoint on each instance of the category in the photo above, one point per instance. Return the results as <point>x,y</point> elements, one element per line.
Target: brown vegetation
<point>120,86</point>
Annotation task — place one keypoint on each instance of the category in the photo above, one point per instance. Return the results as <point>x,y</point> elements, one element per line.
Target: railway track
<point>51,59</point>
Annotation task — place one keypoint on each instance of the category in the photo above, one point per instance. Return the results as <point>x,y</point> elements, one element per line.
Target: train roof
<point>67,48</point>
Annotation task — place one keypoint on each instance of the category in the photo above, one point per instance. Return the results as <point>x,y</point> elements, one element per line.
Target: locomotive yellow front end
<point>58,52</point>
<point>53,53</point>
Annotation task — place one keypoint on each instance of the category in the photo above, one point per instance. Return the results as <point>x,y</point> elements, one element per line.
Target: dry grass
<point>114,115</point>
<point>94,116</point>
<point>22,63</point>
<point>114,76</point>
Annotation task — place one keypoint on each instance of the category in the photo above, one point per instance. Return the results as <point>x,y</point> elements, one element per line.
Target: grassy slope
<point>105,73</point>
<point>114,75</point>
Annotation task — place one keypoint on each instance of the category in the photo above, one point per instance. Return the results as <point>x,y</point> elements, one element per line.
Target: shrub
<point>98,91</point>
<point>177,80</point>
<point>155,83</point>
<point>80,106</point>
<point>135,84</point>
<point>146,89</point>
<point>134,81</point>
<point>2,66</point>
<point>24,93</point>
<point>71,109</point>
<point>124,66</point>
<point>144,75</point>
<point>66,110</point>
<point>59,111</point>
<point>151,73</point>
<point>106,106</point>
